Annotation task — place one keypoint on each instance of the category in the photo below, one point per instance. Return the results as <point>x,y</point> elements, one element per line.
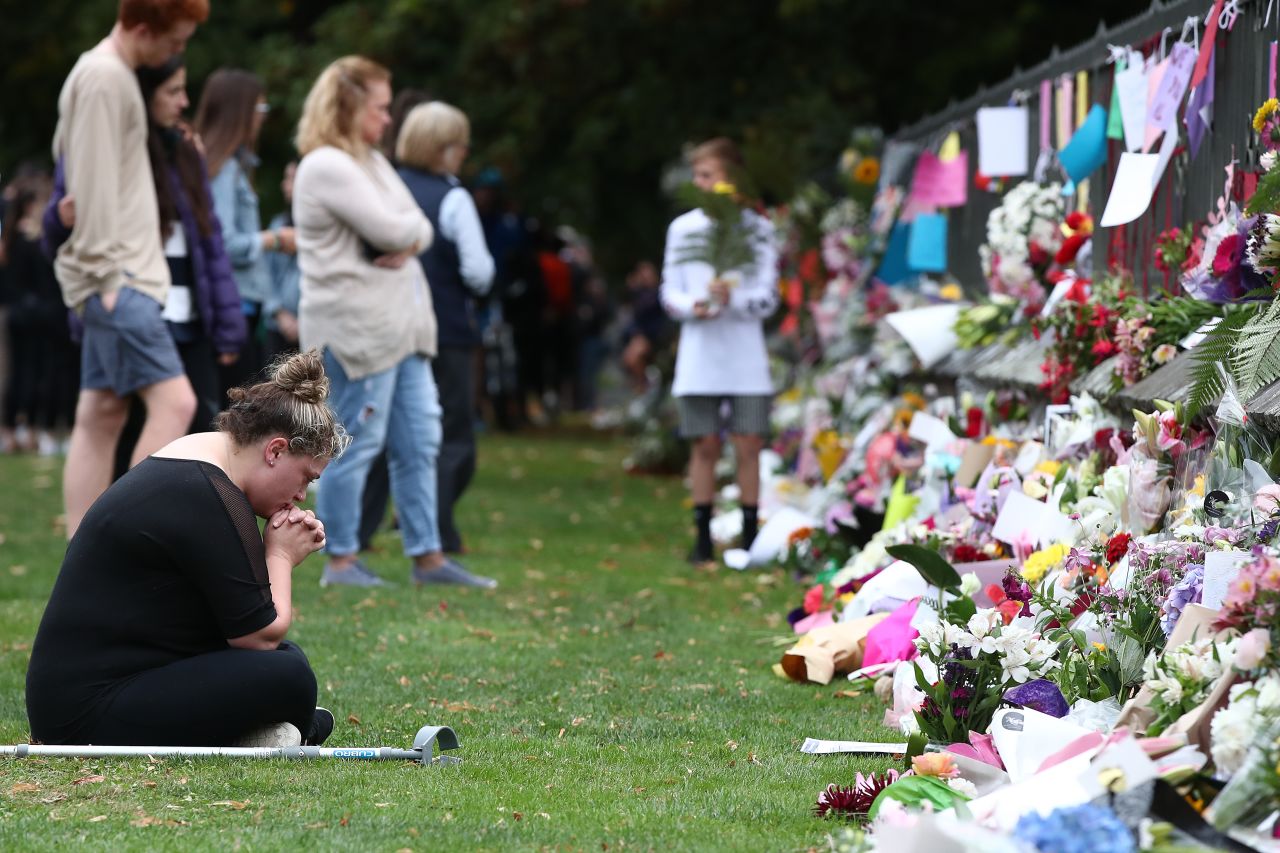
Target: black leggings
<point>210,700</point>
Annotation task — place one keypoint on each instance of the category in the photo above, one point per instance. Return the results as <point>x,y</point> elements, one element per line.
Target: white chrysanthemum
<point>1232,730</point>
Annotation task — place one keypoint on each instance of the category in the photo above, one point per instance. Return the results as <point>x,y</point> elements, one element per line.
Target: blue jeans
<point>397,409</point>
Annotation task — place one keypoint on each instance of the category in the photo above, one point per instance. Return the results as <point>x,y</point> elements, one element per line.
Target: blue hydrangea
<point>1078,829</point>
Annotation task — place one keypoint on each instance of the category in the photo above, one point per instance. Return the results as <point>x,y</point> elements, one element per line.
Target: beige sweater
<point>102,140</point>
<point>369,317</point>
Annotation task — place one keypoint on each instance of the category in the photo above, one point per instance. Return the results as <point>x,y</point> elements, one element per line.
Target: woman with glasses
<point>229,119</point>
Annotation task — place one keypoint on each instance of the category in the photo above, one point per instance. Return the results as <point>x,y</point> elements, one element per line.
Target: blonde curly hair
<point>330,113</point>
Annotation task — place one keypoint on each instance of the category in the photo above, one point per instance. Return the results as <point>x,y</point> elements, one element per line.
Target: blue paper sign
<point>893,266</point>
<point>1087,149</point>
<point>927,246</point>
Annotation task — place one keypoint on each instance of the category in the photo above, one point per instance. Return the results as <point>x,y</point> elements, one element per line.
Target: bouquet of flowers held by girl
<point>729,245</point>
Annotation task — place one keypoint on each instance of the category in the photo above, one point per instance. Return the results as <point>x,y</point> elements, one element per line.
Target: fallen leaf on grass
<point>561,733</point>
<point>317,825</point>
<point>662,654</point>
<point>53,798</point>
<point>404,681</point>
<point>383,805</point>
<point>346,820</point>
<point>517,815</point>
<point>733,744</point>
<point>847,694</point>
<point>238,805</point>
<point>577,721</point>
<point>17,571</point>
<point>148,820</point>
<point>24,787</point>
<point>353,719</point>
<point>97,818</point>
<point>89,780</point>
<point>147,783</point>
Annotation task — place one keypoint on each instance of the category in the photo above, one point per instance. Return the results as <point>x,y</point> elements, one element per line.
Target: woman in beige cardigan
<point>366,305</point>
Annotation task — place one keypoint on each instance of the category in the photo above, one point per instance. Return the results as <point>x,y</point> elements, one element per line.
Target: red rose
<point>973,425</point>
<point>1117,547</point>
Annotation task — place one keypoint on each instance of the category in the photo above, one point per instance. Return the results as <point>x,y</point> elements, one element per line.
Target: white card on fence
<point>1131,88</point>
<point>934,432</point>
<point>814,746</point>
<point>1131,191</point>
<point>1002,141</point>
<point>1022,515</point>
<point>1220,569</point>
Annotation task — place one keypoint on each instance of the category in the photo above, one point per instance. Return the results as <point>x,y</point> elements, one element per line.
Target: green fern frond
<point>1206,382</point>
<point>1255,361</point>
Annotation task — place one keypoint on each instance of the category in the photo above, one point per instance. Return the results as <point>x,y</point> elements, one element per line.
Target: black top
<point>167,564</point>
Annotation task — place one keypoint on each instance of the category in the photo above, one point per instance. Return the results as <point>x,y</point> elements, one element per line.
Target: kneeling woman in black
<point>167,622</point>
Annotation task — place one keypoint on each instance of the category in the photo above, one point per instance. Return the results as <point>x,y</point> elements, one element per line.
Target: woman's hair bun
<point>303,376</point>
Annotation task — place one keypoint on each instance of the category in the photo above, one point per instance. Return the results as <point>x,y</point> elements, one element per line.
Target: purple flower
<point>1078,559</point>
<point>1188,591</point>
<point>1039,695</point>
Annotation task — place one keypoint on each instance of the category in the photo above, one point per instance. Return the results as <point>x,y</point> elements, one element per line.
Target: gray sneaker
<point>275,735</point>
<point>357,574</point>
<point>452,572</point>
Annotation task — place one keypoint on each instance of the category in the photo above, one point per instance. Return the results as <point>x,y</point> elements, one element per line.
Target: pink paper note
<point>892,638</point>
<point>1154,76</point>
<point>1163,110</point>
<point>940,183</point>
<point>1046,118</point>
<point>821,619</point>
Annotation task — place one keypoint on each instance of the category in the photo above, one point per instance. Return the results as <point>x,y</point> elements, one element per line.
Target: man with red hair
<point>112,268</point>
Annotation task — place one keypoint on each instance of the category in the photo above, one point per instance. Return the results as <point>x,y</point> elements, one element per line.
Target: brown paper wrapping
<point>823,652</point>
<point>1196,621</point>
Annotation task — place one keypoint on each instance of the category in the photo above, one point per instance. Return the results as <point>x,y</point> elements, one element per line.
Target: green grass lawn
<point>607,697</point>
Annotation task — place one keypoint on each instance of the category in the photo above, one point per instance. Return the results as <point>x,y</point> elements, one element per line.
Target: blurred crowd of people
<point>545,331</point>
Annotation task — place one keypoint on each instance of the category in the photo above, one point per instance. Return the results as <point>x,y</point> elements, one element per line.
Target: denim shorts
<point>129,348</point>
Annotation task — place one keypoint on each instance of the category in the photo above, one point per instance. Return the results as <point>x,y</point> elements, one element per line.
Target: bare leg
<point>171,404</point>
<point>702,468</point>
<point>746,449</point>
<point>100,417</point>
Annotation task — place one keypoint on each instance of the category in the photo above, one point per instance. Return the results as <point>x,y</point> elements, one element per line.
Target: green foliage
<point>1266,199</point>
<point>583,106</point>
<point>1255,359</point>
<point>931,565</point>
<point>729,243</point>
<point>1212,355</point>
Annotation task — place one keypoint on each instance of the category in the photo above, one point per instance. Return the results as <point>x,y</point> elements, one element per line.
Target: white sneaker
<point>275,735</point>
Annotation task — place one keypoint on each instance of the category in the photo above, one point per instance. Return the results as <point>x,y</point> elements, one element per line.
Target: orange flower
<point>867,171</point>
<point>799,535</point>
<point>938,764</point>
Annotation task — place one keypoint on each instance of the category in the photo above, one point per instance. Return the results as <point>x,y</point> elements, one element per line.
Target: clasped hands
<point>293,534</point>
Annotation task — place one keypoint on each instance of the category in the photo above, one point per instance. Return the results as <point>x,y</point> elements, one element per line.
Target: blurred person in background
<point>112,268</point>
<point>646,329</point>
<point>233,108</point>
<point>432,147</point>
<point>41,393</point>
<point>366,305</point>
<point>280,311</point>
<point>202,309</point>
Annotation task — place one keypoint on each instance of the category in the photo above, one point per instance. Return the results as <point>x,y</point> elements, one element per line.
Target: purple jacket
<point>217,298</point>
